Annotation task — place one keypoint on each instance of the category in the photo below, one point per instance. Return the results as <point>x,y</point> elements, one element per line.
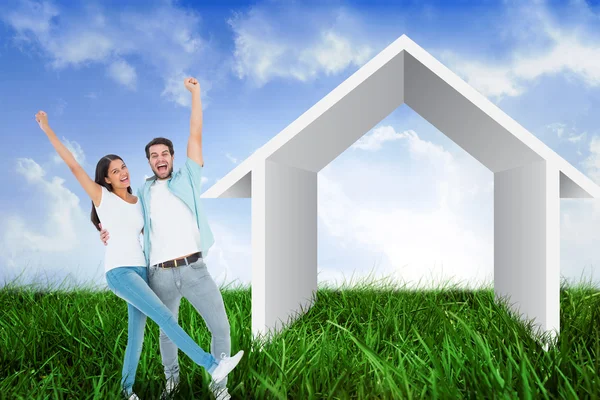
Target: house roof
<point>404,73</point>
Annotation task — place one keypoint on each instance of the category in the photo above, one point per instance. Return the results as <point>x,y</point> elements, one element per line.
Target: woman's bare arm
<point>91,188</point>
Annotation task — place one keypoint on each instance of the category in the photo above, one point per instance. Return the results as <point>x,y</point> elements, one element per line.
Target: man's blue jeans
<point>195,283</point>
<point>131,284</point>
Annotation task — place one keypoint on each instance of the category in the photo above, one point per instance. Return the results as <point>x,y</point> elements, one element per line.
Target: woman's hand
<point>91,188</point>
<point>42,119</point>
<point>104,236</point>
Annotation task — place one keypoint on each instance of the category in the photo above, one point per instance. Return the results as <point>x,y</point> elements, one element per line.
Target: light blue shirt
<point>185,184</point>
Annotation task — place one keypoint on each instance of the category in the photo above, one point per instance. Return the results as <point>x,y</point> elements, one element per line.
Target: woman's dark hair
<point>101,173</point>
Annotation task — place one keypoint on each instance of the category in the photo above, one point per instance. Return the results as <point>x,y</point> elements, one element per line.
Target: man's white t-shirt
<point>174,232</point>
<point>124,221</point>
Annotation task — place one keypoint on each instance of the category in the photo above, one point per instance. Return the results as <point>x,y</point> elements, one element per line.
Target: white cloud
<point>123,73</point>
<point>559,129</point>
<point>570,53</point>
<point>281,44</point>
<point>231,158</point>
<point>230,259</point>
<point>60,107</point>
<point>86,47</point>
<point>592,162</point>
<point>577,138</point>
<point>332,53</point>
<point>32,16</point>
<point>177,93</point>
<point>63,204</point>
<point>374,140</point>
<point>30,170</point>
<point>164,39</point>
<point>74,148</point>
<point>491,80</point>
<point>427,236</point>
<point>547,50</point>
<point>62,243</point>
<point>424,237</point>
<point>580,253</point>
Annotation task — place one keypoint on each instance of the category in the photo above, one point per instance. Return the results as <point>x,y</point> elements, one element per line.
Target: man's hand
<point>42,119</point>
<point>192,85</point>
<point>194,149</point>
<point>104,236</point>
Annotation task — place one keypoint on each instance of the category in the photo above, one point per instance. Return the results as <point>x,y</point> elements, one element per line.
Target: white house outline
<point>281,179</point>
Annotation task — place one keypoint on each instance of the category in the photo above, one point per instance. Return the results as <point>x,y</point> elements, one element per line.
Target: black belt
<point>180,261</point>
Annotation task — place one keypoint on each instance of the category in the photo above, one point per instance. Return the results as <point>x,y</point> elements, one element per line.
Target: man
<point>176,241</point>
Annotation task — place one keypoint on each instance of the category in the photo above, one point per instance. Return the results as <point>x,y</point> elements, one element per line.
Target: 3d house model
<point>281,179</point>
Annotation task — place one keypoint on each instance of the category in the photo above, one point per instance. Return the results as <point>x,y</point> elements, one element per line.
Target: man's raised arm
<point>194,149</point>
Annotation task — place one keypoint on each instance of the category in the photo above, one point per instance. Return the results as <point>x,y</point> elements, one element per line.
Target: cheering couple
<point>177,237</point>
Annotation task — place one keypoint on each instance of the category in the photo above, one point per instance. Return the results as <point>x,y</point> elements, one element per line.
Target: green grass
<point>371,341</point>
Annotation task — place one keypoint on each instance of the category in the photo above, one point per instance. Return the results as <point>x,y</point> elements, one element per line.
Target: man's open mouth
<point>161,167</point>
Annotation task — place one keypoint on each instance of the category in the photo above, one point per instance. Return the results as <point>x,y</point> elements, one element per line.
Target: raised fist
<point>42,119</point>
<point>192,84</point>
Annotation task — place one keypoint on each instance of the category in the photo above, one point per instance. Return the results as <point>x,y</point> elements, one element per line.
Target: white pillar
<point>284,245</point>
<point>527,242</point>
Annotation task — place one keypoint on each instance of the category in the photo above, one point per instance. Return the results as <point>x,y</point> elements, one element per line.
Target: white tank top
<point>173,230</point>
<point>124,222</point>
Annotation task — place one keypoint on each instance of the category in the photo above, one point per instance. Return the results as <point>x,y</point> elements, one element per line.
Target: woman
<point>114,205</point>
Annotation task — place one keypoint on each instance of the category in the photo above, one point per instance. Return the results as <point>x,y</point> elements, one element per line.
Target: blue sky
<point>403,201</point>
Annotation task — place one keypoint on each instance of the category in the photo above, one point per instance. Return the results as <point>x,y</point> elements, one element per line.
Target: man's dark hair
<point>160,140</point>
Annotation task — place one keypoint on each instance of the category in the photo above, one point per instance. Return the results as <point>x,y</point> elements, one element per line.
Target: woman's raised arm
<point>91,188</point>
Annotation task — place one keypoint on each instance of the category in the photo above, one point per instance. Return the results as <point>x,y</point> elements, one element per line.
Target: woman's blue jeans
<point>131,284</point>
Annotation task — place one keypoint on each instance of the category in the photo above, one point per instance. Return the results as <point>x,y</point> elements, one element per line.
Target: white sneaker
<point>225,366</point>
<point>220,392</point>
<point>169,388</point>
<point>133,396</point>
